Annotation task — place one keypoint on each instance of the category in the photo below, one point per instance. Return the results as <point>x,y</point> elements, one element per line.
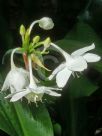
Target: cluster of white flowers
<point>22,82</point>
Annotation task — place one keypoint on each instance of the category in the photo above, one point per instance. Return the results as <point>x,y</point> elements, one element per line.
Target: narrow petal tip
<point>50,77</point>
<point>90,57</point>
<point>12,100</point>
<point>93,45</point>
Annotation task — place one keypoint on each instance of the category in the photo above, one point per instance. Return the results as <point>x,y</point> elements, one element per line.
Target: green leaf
<point>81,35</point>
<point>81,87</point>
<point>36,122</point>
<point>57,129</point>
<point>9,121</point>
<point>84,33</point>
<point>72,112</point>
<point>70,45</point>
<point>23,119</point>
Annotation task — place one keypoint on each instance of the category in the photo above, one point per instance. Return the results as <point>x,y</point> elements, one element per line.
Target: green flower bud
<point>47,42</point>
<point>22,30</point>
<point>46,23</point>
<point>36,39</point>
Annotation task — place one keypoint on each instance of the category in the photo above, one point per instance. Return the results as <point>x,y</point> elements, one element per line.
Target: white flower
<point>33,92</point>
<point>17,78</point>
<point>76,62</point>
<point>45,23</point>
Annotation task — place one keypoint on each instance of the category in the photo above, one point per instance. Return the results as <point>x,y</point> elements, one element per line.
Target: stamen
<point>77,75</point>
<point>73,73</point>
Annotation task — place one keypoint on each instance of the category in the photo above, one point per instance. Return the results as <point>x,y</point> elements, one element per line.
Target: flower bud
<point>47,42</point>
<point>22,30</point>
<point>46,23</point>
<point>36,39</point>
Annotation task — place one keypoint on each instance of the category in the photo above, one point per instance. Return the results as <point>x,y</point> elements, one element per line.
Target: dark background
<point>13,13</point>
<point>64,13</point>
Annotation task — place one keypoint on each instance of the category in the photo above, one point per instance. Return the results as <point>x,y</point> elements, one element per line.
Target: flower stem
<point>31,26</point>
<point>65,54</point>
<point>26,61</point>
<point>32,82</point>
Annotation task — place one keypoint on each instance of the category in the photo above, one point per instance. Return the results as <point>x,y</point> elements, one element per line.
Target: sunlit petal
<point>6,84</point>
<point>52,93</point>
<point>77,64</point>
<point>83,50</point>
<point>90,57</point>
<point>19,95</point>
<point>52,88</point>
<point>59,68</point>
<point>62,77</point>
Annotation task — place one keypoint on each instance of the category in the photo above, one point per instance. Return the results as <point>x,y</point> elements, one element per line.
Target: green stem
<point>38,44</point>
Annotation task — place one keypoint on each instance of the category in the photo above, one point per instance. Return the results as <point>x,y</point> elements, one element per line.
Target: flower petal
<point>52,88</point>
<point>83,50</point>
<point>59,68</point>
<point>19,95</point>
<point>6,83</point>
<point>77,64</point>
<point>62,77</point>
<point>52,93</point>
<point>9,95</point>
<point>18,78</point>
<point>90,57</point>
<point>12,89</point>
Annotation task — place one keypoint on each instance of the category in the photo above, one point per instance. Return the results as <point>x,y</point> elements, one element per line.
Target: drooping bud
<point>47,41</point>
<point>46,23</point>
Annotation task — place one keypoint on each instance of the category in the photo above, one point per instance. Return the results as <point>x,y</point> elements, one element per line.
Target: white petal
<point>12,89</point>
<point>52,93</point>
<point>83,50</point>
<point>18,79</point>
<point>59,68</point>
<point>6,83</point>
<point>52,88</point>
<point>90,57</point>
<point>43,89</point>
<point>9,95</point>
<point>77,64</point>
<point>19,95</point>
<point>62,77</point>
